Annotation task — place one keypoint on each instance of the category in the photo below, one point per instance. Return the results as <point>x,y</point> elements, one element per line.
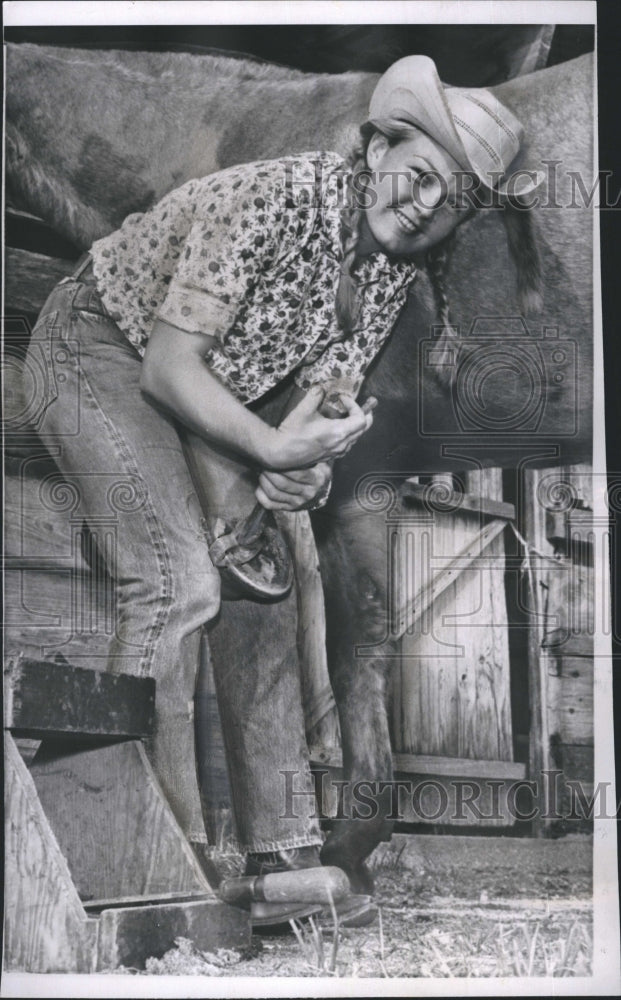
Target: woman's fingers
<point>278,483</point>
<point>295,488</point>
<point>283,502</point>
<point>359,417</point>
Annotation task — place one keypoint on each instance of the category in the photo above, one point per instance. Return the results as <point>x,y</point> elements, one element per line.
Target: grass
<point>460,946</point>
<point>429,927</point>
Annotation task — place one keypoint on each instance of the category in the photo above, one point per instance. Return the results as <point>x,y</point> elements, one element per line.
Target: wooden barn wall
<point>562,529</point>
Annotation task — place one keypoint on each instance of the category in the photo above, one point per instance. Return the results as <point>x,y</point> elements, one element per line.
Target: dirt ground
<point>448,907</point>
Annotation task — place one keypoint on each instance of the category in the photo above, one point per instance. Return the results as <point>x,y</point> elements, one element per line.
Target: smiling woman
<point>188,314</point>
<point>414,204</point>
<point>429,157</point>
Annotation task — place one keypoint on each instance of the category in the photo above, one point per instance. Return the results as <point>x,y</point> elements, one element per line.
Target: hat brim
<point>433,117</point>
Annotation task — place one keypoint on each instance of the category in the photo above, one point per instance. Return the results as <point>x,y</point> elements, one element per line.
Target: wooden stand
<point>98,872</point>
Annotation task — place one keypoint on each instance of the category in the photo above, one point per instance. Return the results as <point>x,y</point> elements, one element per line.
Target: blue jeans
<point>123,462</point>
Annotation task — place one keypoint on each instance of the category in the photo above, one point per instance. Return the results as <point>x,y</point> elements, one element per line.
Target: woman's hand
<point>305,437</point>
<point>295,489</point>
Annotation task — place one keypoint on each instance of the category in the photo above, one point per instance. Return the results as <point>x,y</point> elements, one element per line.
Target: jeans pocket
<point>88,300</point>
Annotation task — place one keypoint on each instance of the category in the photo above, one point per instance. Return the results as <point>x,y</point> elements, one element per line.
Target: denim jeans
<point>123,462</point>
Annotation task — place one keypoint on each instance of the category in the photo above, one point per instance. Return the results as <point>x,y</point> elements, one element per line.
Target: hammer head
<point>305,885</point>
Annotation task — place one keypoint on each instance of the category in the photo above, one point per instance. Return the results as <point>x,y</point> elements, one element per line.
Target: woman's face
<point>410,195</point>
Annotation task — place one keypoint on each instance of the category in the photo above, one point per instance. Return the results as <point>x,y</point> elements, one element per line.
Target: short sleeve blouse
<point>251,256</point>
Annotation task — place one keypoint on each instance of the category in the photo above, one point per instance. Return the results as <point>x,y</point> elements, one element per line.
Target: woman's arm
<point>175,375</point>
<point>298,489</point>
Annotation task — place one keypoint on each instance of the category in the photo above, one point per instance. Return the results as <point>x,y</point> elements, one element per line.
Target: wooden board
<point>434,790</point>
<point>52,613</point>
<point>128,936</point>
<point>52,699</point>
<point>36,533</point>
<point>453,499</point>
<point>59,596</point>
<point>113,824</point>
<point>45,927</point>
<point>569,609</point>
<point>571,716</point>
<point>575,761</point>
<point>30,277</point>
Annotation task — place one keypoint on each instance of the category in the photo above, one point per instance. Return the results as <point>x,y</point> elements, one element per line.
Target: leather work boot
<point>282,861</point>
<point>354,911</point>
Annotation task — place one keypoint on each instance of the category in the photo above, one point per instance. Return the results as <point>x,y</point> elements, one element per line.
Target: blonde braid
<point>347,300</point>
<point>436,263</point>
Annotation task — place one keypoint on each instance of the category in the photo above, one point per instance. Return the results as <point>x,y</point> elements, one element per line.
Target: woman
<point>193,311</point>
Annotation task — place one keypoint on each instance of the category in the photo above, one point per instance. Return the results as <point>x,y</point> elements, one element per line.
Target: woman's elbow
<point>157,377</point>
<point>151,383</point>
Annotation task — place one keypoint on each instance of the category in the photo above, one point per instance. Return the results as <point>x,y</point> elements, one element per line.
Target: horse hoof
<point>360,878</point>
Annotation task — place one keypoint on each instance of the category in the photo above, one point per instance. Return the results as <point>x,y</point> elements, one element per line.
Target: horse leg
<point>355,613</point>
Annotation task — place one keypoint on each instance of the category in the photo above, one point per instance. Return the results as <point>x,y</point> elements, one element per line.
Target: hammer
<point>306,885</point>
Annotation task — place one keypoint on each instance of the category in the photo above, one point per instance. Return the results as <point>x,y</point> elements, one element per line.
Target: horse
<point>93,136</point>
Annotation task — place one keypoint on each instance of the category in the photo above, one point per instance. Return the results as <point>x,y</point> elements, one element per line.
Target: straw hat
<point>471,124</point>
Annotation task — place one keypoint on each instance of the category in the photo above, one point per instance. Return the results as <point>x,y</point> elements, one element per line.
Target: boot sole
<point>357,911</point>
<point>263,915</point>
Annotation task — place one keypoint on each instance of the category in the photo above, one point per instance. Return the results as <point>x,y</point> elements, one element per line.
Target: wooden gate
<point>490,612</point>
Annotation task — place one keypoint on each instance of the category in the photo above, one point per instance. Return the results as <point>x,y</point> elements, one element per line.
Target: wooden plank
<point>411,608</point>
<point>581,478</point>
<point>30,277</point>
<point>575,761</point>
<point>427,764</point>
<point>424,686</point>
<point>128,937</point>
<point>27,748</point>
<point>93,906</point>
<point>450,695</point>
<point>456,500</point>
<point>570,609</point>
<point>575,704</point>
<point>532,526</point>
<point>435,790</point>
<point>567,530</point>
<point>45,926</point>
<point>113,824</point>
<point>485,725</point>
<point>537,860</point>
<point>534,487</point>
<point>59,612</point>
<point>36,535</point>
<point>47,698</point>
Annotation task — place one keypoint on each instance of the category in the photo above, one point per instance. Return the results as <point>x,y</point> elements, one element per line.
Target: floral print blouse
<point>251,256</point>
